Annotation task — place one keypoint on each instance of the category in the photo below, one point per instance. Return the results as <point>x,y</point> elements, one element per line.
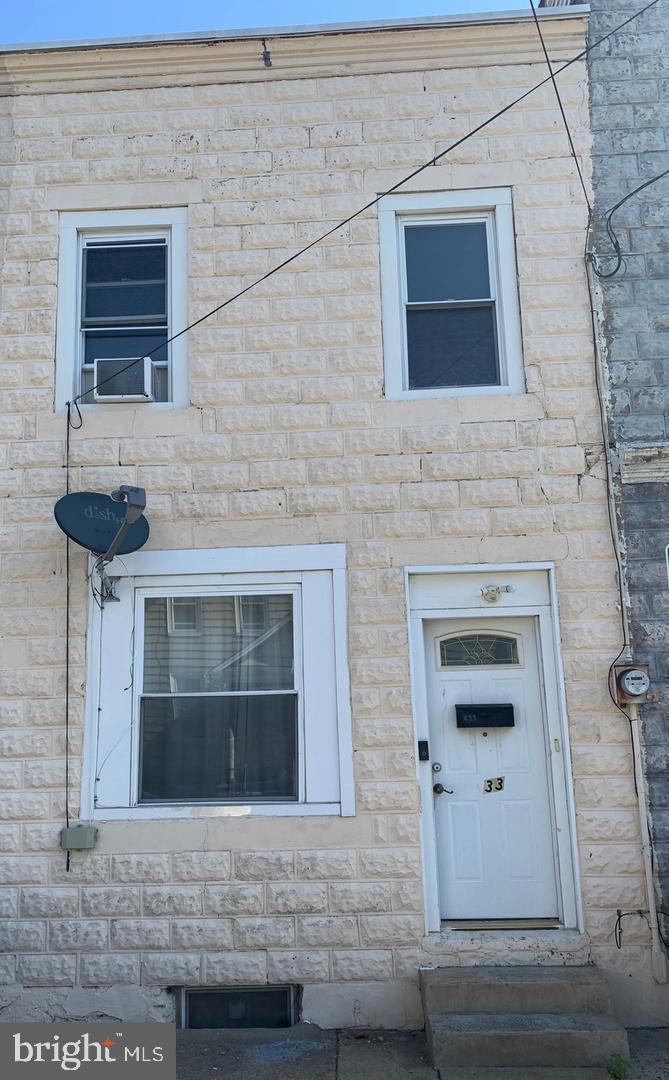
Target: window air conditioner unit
<point>127,378</point>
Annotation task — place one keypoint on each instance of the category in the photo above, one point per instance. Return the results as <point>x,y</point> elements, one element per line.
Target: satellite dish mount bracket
<point>135,500</point>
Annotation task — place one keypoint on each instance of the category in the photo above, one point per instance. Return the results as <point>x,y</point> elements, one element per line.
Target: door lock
<point>439,789</point>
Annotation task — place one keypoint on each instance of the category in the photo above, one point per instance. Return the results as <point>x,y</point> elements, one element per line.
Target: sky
<point>73,20</point>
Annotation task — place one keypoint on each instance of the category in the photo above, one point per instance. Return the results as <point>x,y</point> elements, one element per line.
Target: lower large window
<point>221,688</point>
<point>218,712</point>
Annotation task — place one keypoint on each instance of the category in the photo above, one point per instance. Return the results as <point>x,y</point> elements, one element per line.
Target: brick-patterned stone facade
<point>630,141</point>
<point>289,440</point>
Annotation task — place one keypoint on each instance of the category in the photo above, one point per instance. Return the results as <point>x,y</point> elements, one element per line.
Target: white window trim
<point>191,572</point>
<point>72,227</point>
<point>495,204</point>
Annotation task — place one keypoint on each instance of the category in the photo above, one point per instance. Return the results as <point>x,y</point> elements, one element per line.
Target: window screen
<point>451,331</point>
<point>124,305</point>
<point>218,710</point>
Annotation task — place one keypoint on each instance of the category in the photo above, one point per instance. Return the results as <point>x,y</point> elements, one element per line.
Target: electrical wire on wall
<point>612,235</point>
<point>597,371</point>
<point>70,426</point>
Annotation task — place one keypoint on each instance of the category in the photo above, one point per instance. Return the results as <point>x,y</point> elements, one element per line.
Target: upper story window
<point>122,294</point>
<point>450,306</point>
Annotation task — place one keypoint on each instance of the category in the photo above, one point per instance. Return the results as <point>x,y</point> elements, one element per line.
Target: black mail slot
<point>484,716</point>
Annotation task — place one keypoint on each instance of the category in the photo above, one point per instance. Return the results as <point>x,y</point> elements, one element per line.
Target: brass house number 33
<point>496,783</point>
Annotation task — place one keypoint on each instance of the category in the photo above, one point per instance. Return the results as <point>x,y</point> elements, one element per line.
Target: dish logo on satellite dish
<point>102,514</point>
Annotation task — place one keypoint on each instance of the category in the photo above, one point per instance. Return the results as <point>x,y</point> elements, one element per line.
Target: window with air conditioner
<point>121,296</point>
<point>449,294</point>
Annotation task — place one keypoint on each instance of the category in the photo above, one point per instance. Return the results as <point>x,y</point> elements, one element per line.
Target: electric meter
<point>633,682</point>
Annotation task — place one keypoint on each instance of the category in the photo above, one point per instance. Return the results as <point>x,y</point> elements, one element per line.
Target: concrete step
<point>557,1039</point>
<point>514,990</point>
<point>493,1072</point>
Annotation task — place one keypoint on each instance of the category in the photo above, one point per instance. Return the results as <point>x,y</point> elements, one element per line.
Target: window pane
<point>125,283</point>
<point>225,656</point>
<point>103,344</point>
<point>447,262</point>
<point>472,650</point>
<point>218,747</point>
<point>452,347</point>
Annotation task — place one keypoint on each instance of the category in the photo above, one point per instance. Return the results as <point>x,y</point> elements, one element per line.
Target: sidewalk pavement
<point>305,1052</point>
<point>649,1048</point>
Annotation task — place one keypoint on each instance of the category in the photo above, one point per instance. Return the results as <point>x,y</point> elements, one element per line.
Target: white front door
<point>494,830</point>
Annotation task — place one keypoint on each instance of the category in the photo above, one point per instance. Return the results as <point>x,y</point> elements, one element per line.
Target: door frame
<point>551,677</point>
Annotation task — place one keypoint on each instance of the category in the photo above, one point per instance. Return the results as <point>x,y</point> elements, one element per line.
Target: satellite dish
<point>93,521</point>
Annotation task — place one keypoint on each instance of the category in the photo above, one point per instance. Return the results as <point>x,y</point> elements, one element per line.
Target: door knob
<point>439,789</point>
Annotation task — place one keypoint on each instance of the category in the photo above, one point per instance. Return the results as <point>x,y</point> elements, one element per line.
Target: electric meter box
<point>632,683</point>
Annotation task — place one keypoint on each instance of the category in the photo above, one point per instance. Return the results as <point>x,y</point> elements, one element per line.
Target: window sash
<point>85,325</point>
<point>466,377</point>
<point>297,690</point>
<point>405,221</point>
<point>411,226</point>
<point>245,729</point>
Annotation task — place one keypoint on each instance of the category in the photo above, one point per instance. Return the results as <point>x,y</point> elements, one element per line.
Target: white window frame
<point>316,576</point>
<point>492,205</point>
<point>74,229</point>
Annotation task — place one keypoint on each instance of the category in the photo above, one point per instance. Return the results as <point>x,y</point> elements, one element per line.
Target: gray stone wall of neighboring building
<point>629,88</point>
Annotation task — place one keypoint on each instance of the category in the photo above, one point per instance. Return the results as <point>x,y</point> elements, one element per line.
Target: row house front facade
<point>346,715</point>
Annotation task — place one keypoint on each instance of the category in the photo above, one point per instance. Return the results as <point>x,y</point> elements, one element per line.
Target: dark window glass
<point>125,284</point>
<point>266,1007</point>
<point>218,747</point>
<point>447,262</point>
<point>450,312</point>
<point>107,344</point>
<point>451,346</point>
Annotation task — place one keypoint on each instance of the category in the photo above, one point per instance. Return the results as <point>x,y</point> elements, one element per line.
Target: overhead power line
<point>560,105</point>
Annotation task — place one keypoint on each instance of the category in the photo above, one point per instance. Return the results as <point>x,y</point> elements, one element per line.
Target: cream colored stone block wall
<point>289,439</point>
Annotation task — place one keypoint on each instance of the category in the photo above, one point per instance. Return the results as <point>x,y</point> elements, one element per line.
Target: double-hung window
<point>450,307</point>
<point>216,685</point>
<point>121,297</point>
<point>218,712</point>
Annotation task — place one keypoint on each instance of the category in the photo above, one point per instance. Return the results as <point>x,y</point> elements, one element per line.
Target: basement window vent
<point>239,1007</point>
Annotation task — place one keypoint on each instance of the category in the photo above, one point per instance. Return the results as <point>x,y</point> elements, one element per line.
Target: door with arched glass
<point>495,835</point>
